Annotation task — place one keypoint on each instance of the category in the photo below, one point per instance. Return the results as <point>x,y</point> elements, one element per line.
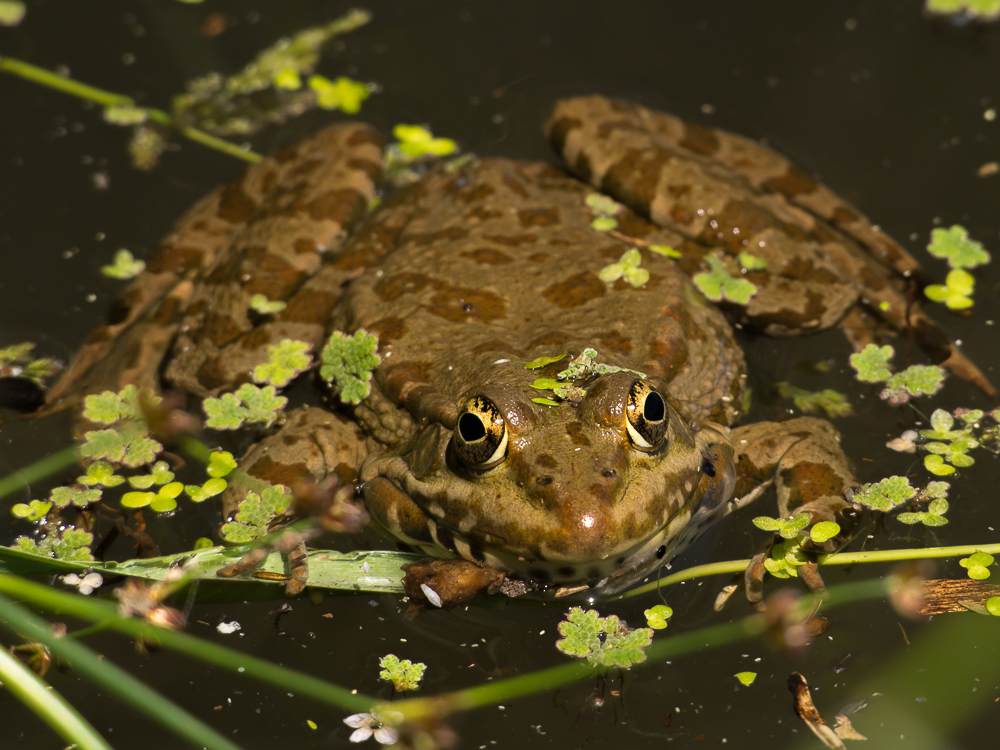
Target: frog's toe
<point>753,581</point>
<point>448,583</point>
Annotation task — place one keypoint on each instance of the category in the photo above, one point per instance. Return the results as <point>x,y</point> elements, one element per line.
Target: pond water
<point>885,105</point>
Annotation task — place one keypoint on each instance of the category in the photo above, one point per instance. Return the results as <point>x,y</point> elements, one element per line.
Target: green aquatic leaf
<point>954,245</point>
<point>109,444</point>
<point>102,408</point>
<point>160,474</point>
<point>137,499</point>
<point>824,531</point>
<point>941,424</point>
<point>36,510</point>
<point>935,465</point>
<point>287,79</point>
<point>956,292</point>
<point>665,250</point>
<point>751,262</point>
<point>872,363</point>
<point>603,641</point>
<point>540,362</point>
<point>832,403</point>
<point>719,284</point>
<point>124,266</point>
<point>341,93</point>
<point>885,494</point>
<point>64,496</point>
<point>416,141</point>
<point>260,303</point>
<point>977,564</point>
<point>788,528</point>
<point>12,12</point>
<point>993,603</point>
<point>746,679</point>
<point>402,673</point>
<point>602,205</point>
<point>210,488</point>
<point>67,544</point>
<point>627,267</point>
<point>545,401</point>
<point>285,360</point>
<point>657,616</point>
<point>220,463</point>
<point>17,360</point>
<point>224,413</point>
<point>125,115</point>
<point>263,405</point>
<point>348,362</point>
<point>255,512</point>
<point>545,384</point>
<point>100,473</point>
<point>916,380</point>
<point>604,224</point>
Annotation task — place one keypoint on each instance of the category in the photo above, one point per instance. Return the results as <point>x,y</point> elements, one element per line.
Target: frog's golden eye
<point>480,433</point>
<point>647,416</point>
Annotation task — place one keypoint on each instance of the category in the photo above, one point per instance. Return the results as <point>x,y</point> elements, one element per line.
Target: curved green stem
<point>48,705</point>
<point>108,99</point>
<point>38,470</point>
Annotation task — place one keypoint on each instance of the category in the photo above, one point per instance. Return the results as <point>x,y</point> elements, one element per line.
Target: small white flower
<point>367,725</point>
<point>87,584</point>
<point>228,628</point>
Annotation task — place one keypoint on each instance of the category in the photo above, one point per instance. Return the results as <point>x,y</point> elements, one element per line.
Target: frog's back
<point>499,261</point>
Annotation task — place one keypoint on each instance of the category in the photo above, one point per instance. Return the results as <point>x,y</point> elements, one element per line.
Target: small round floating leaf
<point>103,408</point>
<point>545,384</point>
<point>203,542</point>
<point>637,277</point>
<point>604,223</point>
<point>953,244</point>
<point>824,531</point>
<point>163,504</point>
<point>285,360</point>
<point>719,284</point>
<point>101,473</point>
<point>993,606</point>
<point>657,616</point>
<point>602,205</point>
<point>137,499</point>
<point>767,524</point>
<point>341,93</point>
<point>260,303</point>
<point>220,463</point>
<point>124,266</point>
<point>936,465</point>
<point>746,678</point>
<point>611,272</point>
<point>288,80</point>
<point>751,262</point>
<point>545,401</point>
<point>665,250</point>
<point>872,363</point>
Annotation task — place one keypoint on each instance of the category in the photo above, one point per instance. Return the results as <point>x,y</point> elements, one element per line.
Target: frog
<point>485,266</point>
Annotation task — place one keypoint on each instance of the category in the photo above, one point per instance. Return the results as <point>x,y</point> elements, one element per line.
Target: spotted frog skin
<point>473,272</point>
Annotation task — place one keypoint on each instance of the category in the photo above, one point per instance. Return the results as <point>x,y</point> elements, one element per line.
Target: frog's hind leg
<point>727,195</point>
<point>803,460</point>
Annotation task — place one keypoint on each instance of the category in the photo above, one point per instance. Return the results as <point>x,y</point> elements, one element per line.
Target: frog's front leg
<point>313,446</point>
<point>803,459</point>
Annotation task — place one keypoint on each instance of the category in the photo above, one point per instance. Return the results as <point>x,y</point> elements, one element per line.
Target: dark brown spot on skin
<point>309,306</point>
<point>483,214</point>
<point>392,288</point>
<point>681,214</point>
<point>287,154</point>
<point>487,256</point>
<point>798,267</point>
<point>497,346</point>
<point>700,140</point>
<point>402,377</point>
<point>515,186</point>
<point>342,206</point>
<point>749,218</point>
<point>168,313</point>
<point>749,476</point>
<point>234,203</point>
<point>634,178</point>
<point>305,246</point>
<point>538,217</point>
<point>177,259</point>
<point>633,225</point>
<point>267,183</point>
<point>459,304</point>
<point>575,291</point>
<point>279,473</point>
<point>546,461</point>
<point>450,233</point>
<point>549,338</point>
<point>791,183</point>
<point>388,329</point>
<point>843,215</point>
<point>511,240</point>
<point>274,277</point>
<point>670,354</point>
<point>211,375</point>
<point>372,170</point>
<point>576,434</point>
<point>476,194</point>
<point>220,329</point>
<point>364,136</point>
<point>256,339</point>
<point>809,481</point>
<point>583,167</point>
<point>538,257</point>
<point>615,342</point>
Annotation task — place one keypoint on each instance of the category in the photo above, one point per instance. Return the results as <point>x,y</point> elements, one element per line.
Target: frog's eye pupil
<point>647,417</point>
<point>480,438</point>
<point>654,409</point>
<point>471,428</point>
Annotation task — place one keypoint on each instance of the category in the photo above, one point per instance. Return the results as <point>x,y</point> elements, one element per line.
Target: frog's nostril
<point>544,481</point>
<point>608,473</point>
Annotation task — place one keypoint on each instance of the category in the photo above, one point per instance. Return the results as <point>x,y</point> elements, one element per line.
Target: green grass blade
<point>48,705</point>
<point>112,678</point>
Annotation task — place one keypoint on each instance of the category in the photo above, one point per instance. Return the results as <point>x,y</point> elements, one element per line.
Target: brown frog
<point>473,272</point>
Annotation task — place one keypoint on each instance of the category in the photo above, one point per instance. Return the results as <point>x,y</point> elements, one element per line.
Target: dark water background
<point>884,104</point>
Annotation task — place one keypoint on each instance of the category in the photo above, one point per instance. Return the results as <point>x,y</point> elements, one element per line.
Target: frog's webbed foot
<point>726,195</point>
<point>448,583</point>
<point>803,459</point>
<point>292,546</point>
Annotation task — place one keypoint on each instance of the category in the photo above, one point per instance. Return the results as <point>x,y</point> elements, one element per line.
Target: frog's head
<point>571,494</point>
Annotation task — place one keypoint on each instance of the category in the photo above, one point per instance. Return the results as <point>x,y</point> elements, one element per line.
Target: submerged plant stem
<point>109,98</point>
<point>48,705</point>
